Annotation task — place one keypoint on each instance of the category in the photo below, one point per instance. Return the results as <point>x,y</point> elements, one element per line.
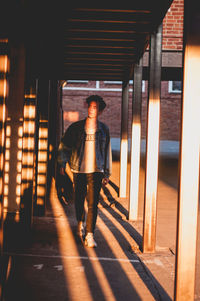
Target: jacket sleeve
<point>108,158</point>
<point>65,148</point>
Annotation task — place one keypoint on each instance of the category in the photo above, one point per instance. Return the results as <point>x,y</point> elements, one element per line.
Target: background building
<point>75,92</point>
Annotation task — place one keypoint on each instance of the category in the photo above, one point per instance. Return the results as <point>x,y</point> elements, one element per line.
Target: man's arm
<point>64,150</point>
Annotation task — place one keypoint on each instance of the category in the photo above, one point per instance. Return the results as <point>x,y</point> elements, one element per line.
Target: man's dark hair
<point>98,99</point>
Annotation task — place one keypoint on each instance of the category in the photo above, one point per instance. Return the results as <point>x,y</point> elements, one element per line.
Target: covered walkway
<point>148,216</point>
<point>52,263</point>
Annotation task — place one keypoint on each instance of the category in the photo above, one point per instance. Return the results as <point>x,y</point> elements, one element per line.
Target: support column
<point>124,141</point>
<point>53,140</point>
<point>14,132</point>
<point>28,154</point>
<point>41,148</point>
<point>4,65</point>
<point>135,141</point>
<point>152,145</point>
<point>188,196</point>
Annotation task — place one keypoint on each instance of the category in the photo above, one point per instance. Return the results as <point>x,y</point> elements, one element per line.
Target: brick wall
<point>74,109</point>
<point>173,26</point>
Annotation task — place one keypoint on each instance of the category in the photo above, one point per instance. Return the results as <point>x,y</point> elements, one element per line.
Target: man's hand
<point>62,171</point>
<point>105,181</point>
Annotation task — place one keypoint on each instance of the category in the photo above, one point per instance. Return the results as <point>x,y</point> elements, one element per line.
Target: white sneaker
<point>89,240</point>
<point>80,229</point>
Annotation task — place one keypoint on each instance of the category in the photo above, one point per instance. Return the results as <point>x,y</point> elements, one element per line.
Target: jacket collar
<point>98,124</point>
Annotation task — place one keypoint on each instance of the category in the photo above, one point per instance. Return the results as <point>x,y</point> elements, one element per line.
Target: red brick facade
<point>74,108</point>
<point>173,26</point>
<point>74,94</point>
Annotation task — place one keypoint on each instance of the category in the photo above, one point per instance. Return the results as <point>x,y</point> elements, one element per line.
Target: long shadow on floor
<point>122,289</point>
<point>144,273</point>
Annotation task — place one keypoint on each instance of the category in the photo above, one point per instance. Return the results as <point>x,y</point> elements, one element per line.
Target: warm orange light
<point>42,167</point>
<point>29,127</point>
<point>27,159</point>
<point>3,87</point>
<point>28,142</point>
<point>20,131</point>
<point>3,69</point>
<point>5,201</point>
<point>18,179</point>
<point>20,143</point>
<point>29,111</point>
<point>19,155</point>
<point>50,148</point>
<point>42,156</point>
<point>7,154</point>
<point>18,198</point>
<point>17,218</point>
<point>41,179</point>
<point>152,145</point>
<point>64,84</point>
<point>30,96</point>
<point>6,166</point>
<point>19,167</point>
<point>5,189</point>
<point>43,144</point>
<point>71,116</point>
<point>41,190</point>
<point>118,252</point>
<point>3,63</point>
<point>7,142</point>
<point>27,173</point>
<point>8,131</point>
<point>43,133</point>
<point>1,160</point>
<point>189,175</point>
<point>63,238</point>
<point>6,178</point>
<point>135,171</point>
<point>18,190</point>
<point>40,201</point>
<point>123,167</point>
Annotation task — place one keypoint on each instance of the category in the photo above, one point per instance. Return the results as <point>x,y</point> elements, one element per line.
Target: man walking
<point>86,147</point>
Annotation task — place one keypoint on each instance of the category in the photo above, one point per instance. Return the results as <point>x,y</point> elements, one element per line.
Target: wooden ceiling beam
<point>104,21</point>
<point>92,30</point>
<point>105,10</point>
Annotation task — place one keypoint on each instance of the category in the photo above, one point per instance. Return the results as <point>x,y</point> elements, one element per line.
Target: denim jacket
<point>71,147</point>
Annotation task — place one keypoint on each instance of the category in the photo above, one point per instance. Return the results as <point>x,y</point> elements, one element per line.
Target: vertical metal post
<point>4,63</point>
<point>189,158</point>
<point>52,127</point>
<point>41,148</point>
<point>14,131</point>
<point>152,145</point>
<point>135,141</point>
<point>124,141</point>
<point>28,148</point>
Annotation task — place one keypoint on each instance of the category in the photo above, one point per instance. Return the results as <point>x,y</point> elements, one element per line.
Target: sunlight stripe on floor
<point>74,257</point>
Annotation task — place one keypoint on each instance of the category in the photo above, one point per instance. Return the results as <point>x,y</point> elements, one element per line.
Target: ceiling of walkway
<point>86,42</point>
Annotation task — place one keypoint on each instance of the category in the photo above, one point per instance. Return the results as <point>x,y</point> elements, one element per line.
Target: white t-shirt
<point>88,164</point>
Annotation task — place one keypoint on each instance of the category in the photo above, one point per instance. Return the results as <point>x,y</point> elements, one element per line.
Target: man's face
<point>93,109</point>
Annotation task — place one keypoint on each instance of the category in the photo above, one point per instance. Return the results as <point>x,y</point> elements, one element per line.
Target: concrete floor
<point>51,263</point>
